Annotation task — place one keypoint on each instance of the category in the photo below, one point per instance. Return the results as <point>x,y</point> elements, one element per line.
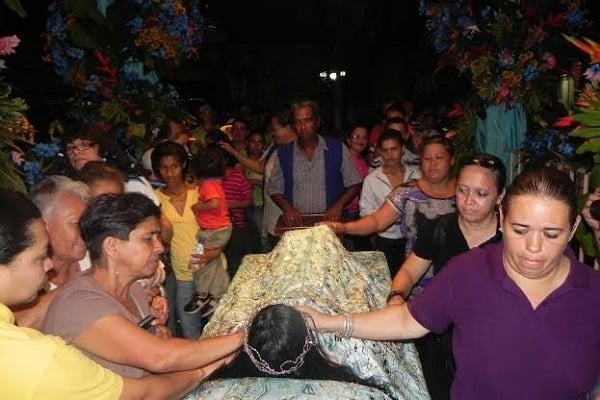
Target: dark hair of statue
<point>114,216</point>
<point>278,332</point>
<point>18,213</point>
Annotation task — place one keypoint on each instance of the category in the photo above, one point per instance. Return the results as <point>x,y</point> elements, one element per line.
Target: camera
<point>595,210</point>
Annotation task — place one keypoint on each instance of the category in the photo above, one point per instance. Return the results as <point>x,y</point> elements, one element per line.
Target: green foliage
<point>11,112</point>
<point>16,6</point>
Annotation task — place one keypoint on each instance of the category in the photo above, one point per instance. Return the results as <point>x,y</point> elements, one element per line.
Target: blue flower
<point>566,149</point>
<point>575,18</point>
<point>464,21</point>
<point>485,11</point>
<point>75,52</point>
<point>33,172</point>
<point>46,150</point>
<point>136,25</point>
<point>422,7</point>
<point>531,73</point>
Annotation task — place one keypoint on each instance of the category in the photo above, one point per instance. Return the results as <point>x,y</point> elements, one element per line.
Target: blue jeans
<point>191,324</point>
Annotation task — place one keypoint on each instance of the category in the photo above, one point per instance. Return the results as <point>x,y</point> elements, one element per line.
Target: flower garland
<point>115,54</point>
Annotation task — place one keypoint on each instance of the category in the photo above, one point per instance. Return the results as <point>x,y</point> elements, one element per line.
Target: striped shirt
<point>237,188</point>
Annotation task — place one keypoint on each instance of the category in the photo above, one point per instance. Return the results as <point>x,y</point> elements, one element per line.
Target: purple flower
<point>593,73</point>
<point>506,58</point>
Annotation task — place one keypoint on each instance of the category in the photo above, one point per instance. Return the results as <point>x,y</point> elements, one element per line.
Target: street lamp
<point>333,78</point>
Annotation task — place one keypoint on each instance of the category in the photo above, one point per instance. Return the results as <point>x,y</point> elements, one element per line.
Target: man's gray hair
<point>46,194</point>
<point>309,104</point>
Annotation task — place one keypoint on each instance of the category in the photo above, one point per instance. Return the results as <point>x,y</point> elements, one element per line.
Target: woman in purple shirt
<point>524,313</point>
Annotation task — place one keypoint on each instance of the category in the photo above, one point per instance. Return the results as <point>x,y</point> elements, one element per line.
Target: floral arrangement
<point>550,144</point>
<point>117,55</point>
<point>586,121</point>
<point>507,48</point>
<point>15,130</point>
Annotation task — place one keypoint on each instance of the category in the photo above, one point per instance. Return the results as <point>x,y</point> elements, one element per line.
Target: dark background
<point>263,54</point>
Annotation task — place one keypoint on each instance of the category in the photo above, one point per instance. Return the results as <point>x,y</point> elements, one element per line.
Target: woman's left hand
<point>318,318</point>
<point>162,332</point>
<point>159,308</point>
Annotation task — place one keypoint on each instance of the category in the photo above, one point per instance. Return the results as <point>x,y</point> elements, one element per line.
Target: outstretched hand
<point>337,226</point>
<point>319,319</point>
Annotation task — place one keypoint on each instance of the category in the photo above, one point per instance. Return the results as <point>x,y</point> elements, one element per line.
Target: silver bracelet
<point>348,325</point>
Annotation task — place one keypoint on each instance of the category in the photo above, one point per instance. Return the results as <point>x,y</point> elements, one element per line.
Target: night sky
<point>269,52</point>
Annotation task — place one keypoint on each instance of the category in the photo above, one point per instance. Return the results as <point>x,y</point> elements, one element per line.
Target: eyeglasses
<point>81,146</point>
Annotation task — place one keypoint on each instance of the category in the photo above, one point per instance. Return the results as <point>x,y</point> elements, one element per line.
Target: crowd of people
<point>126,266</point>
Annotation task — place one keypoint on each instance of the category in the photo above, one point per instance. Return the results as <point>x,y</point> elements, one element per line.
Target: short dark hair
<point>209,162</point>
<point>89,132</point>
<point>390,134</point>
<point>544,182</point>
<point>395,120</point>
<point>114,216</point>
<point>18,213</point>
<point>284,117</point>
<point>94,171</point>
<point>168,149</point>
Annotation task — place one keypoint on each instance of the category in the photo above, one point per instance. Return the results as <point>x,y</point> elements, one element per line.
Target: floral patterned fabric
<point>271,388</point>
<point>311,267</point>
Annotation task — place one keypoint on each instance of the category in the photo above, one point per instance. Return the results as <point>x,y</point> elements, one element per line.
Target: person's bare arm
<point>376,222</point>
<point>257,166</point>
<point>166,229</point>
<point>116,339</point>
<point>391,323</point>
<point>32,315</point>
<point>413,268</point>
<point>174,385</point>
<point>209,204</point>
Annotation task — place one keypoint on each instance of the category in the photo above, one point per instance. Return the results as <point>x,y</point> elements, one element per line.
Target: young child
<point>212,215</point>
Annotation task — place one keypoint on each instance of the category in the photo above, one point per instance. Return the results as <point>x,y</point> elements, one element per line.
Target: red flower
<point>565,122</point>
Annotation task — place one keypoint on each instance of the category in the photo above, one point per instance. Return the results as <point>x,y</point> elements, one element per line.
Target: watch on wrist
<point>395,293</point>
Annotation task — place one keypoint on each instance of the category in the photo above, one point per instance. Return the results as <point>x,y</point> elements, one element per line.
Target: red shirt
<point>218,217</point>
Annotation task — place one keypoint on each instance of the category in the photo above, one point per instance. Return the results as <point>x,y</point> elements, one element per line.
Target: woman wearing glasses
<point>524,312</point>
<point>84,143</point>
<point>479,191</point>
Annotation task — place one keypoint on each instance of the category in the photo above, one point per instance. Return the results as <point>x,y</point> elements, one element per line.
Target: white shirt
<point>375,189</point>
